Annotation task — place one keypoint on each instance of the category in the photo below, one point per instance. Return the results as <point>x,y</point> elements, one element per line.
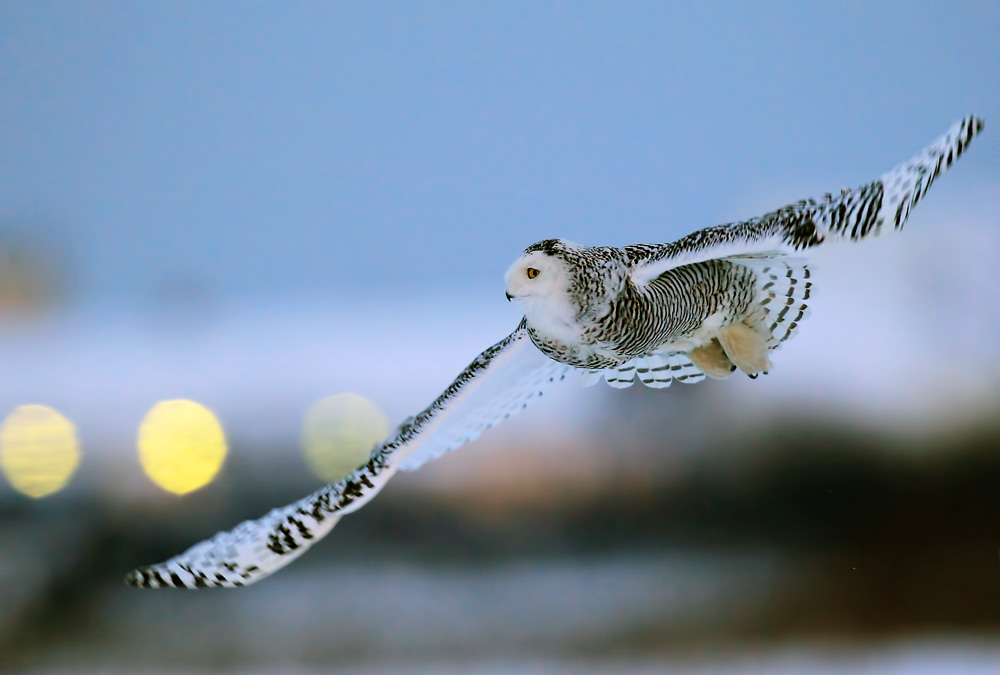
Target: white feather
<point>516,375</point>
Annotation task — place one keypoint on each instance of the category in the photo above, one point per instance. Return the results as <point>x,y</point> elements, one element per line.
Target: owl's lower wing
<point>499,383</point>
<point>653,370</point>
<point>867,211</point>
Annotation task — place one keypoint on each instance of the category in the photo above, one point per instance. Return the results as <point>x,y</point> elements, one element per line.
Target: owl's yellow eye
<point>532,273</point>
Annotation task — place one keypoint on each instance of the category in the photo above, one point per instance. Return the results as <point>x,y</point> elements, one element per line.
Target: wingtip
<point>138,578</point>
<point>969,128</point>
<point>972,125</point>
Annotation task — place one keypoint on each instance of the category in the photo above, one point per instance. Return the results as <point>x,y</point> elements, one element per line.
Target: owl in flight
<point>717,301</point>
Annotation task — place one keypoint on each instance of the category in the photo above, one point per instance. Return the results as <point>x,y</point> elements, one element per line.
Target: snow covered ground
<point>616,614</point>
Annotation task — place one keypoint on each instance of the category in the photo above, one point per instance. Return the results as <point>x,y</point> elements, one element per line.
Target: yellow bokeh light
<point>339,433</point>
<point>38,450</point>
<point>181,445</point>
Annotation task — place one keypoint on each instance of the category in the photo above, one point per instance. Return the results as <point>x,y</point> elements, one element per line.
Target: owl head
<point>540,281</point>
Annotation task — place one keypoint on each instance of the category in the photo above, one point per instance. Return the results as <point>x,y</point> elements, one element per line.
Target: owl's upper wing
<point>497,384</point>
<point>851,215</point>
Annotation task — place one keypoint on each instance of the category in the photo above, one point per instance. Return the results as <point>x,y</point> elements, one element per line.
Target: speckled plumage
<point>627,320</point>
<point>716,300</point>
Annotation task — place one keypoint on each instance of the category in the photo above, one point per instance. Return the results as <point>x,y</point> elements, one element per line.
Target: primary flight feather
<point>713,302</point>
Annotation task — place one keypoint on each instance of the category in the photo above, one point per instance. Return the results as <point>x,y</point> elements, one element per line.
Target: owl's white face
<point>539,283</point>
<point>535,276</point>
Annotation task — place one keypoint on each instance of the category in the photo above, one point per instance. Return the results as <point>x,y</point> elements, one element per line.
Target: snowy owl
<point>716,301</point>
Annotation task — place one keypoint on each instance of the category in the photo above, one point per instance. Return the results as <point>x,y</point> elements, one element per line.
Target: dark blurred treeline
<point>882,536</point>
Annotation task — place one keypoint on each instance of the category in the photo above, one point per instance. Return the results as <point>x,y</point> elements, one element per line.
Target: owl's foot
<point>745,348</point>
<point>711,359</point>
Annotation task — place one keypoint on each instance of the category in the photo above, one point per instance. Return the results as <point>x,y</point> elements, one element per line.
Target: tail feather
<point>656,371</point>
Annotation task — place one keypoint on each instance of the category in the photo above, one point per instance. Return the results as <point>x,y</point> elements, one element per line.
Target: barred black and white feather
<point>656,371</point>
<point>784,286</point>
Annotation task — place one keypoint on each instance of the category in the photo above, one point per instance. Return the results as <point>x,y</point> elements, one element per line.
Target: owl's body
<point>715,301</point>
<point>616,320</point>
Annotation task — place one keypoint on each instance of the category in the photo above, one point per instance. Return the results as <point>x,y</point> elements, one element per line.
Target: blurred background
<point>241,241</point>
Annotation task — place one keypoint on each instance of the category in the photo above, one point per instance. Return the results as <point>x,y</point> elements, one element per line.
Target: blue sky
<point>260,148</point>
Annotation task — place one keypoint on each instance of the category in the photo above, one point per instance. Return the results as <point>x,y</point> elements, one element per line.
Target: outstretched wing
<point>850,216</point>
<point>497,384</point>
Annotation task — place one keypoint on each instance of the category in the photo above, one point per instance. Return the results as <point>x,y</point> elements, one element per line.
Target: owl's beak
<point>509,297</point>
